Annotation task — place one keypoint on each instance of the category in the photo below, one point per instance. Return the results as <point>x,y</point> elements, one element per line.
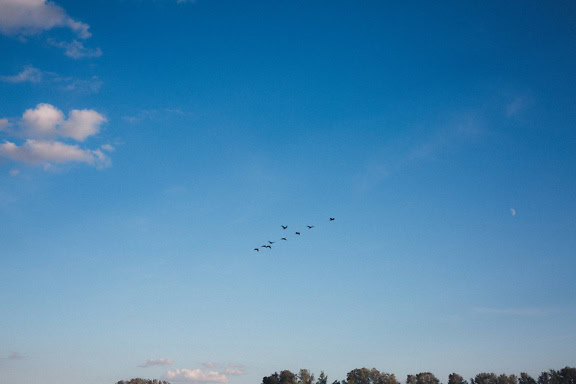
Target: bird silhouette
<point>284,226</point>
<point>283,238</point>
<point>271,242</point>
<point>256,249</point>
<point>310,226</point>
<point>268,246</point>
<point>332,219</point>
<point>297,233</point>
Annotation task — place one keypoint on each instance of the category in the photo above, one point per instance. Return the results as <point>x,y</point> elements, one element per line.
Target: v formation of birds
<point>284,227</point>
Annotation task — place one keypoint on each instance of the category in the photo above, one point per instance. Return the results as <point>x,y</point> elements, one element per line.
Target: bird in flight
<point>283,238</point>
<point>271,242</point>
<point>256,249</point>
<point>267,246</point>
<point>332,219</point>
<point>284,226</point>
<point>297,233</point>
<point>310,226</point>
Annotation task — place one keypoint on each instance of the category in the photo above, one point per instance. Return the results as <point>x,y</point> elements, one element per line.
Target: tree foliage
<point>455,378</point>
<point>422,378</point>
<point>565,375</point>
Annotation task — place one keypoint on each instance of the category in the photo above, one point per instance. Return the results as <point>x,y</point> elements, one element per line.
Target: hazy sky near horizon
<point>146,147</point>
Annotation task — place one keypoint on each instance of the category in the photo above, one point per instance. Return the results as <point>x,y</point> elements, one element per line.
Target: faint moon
<point>513,211</point>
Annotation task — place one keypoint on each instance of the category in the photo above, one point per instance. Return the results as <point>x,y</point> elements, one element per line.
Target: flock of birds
<point>284,227</point>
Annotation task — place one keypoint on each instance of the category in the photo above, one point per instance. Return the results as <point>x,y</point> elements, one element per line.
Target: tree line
<point>565,375</point>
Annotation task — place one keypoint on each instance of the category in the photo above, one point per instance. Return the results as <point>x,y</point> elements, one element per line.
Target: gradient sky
<point>442,138</point>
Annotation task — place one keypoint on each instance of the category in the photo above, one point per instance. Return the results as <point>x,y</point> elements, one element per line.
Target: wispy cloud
<point>462,128</point>
<point>234,371</point>
<point>76,49</point>
<point>31,74</point>
<point>196,376</point>
<point>152,114</point>
<point>156,363</point>
<point>226,369</point>
<point>31,17</point>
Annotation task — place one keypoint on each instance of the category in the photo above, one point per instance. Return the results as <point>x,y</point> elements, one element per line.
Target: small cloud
<point>15,356</point>
<point>512,211</point>
<point>196,376</point>
<point>92,85</point>
<point>75,49</point>
<point>32,17</point>
<point>47,121</point>
<point>208,364</point>
<point>29,74</point>
<point>107,148</point>
<point>14,172</point>
<point>38,152</point>
<point>234,371</point>
<point>508,311</point>
<point>156,363</point>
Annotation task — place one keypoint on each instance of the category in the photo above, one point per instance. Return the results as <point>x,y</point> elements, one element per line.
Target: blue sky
<point>146,147</point>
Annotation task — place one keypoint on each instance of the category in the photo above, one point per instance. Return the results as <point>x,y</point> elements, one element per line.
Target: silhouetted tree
<point>485,378</point>
<point>566,375</point>
<point>507,379</point>
<point>455,378</point>
<point>305,377</point>
<point>526,379</point>
<point>322,379</point>
<point>287,377</point>
<point>272,379</point>
<point>544,378</point>
<point>369,376</point>
<point>422,378</point>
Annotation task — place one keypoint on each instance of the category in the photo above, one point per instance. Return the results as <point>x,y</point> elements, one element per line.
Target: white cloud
<point>81,124</point>
<point>75,49</point>
<point>156,362</point>
<point>39,152</point>
<point>40,128</point>
<point>43,120</point>
<point>31,17</point>
<point>29,74</point>
<point>196,376</point>
<point>47,121</point>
